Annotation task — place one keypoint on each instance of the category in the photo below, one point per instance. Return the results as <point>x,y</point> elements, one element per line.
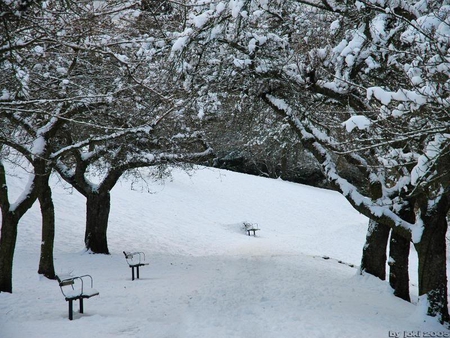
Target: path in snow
<point>206,278</point>
<point>245,296</point>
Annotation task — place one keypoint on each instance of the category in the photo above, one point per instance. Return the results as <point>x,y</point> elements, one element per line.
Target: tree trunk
<point>46,266</point>
<point>97,214</point>
<point>399,257</point>
<point>10,222</point>
<point>7,245</point>
<point>398,263</point>
<point>431,252</point>
<point>374,252</point>
<point>283,164</point>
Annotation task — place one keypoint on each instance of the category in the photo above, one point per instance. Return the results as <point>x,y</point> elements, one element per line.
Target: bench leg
<point>81,305</point>
<point>70,309</point>
<point>137,272</point>
<point>132,273</point>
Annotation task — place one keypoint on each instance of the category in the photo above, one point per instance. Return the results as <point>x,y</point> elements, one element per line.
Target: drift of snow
<point>297,278</point>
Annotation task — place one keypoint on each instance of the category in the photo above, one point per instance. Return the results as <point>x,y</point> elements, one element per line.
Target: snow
<point>358,121</point>
<point>335,25</point>
<point>5,95</point>
<point>378,28</point>
<point>62,70</point>
<point>206,277</point>
<point>235,7</point>
<point>181,42</point>
<point>220,7</point>
<point>24,192</point>
<point>38,146</point>
<point>354,45</point>
<point>385,97</point>
<point>200,20</point>
<point>122,58</point>
<point>425,161</point>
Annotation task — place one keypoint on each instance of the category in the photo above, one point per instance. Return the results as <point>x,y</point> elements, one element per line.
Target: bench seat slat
<point>138,264</point>
<point>90,292</point>
<point>87,293</point>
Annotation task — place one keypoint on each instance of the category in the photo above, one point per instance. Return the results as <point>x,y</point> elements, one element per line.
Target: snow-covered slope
<point>206,278</point>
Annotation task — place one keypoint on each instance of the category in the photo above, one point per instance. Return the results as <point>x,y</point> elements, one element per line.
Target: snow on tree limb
<point>379,209</point>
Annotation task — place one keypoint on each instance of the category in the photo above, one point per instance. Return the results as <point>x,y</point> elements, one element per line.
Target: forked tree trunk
<point>374,252</point>
<point>46,266</point>
<point>98,205</point>
<point>8,235</point>
<point>431,252</point>
<point>7,245</point>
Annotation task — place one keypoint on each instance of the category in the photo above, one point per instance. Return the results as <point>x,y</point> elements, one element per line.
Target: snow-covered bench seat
<point>76,287</point>
<point>249,227</point>
<point>135,260</point>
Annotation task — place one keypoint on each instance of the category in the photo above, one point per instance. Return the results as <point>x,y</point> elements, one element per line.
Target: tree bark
<point>398,266</point>
<point>432,254</point>
<point>7,246</point>
<point>10,222</point>
<point>98,205</point>
<point>46,266</point>
<point>283,164</point>
<point>374,252</point>
<point>399,256</point>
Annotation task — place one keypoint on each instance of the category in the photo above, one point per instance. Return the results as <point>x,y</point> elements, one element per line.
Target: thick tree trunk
<point>7,245</point>
<point>46,266</point>
<point>98,207</point>
<point>431,251</point>
<point>399,257</point>
<point>398,263</point>
<point>8,235</point>
<point>374,252</point>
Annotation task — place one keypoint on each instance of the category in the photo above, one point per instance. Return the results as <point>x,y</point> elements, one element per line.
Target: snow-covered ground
<point>206,278</point>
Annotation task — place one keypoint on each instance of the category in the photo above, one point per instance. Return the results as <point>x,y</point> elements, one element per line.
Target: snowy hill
<point>206,278</point>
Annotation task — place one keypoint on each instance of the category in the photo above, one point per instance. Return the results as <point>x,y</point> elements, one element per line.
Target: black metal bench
<point>73,288</point>
<point>251,227</point>
<point>135,260</point>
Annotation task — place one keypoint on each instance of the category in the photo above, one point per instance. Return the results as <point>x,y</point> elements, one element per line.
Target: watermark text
<point>419,334</point>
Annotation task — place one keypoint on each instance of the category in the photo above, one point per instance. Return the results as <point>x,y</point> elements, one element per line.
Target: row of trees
<point>110,86</point>
<point>83,92</point>
<point>363,84</point>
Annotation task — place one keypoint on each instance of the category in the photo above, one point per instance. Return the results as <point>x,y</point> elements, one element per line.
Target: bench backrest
<point>128,255</point>
<point>134,257</point>
<point>72,286</point>
<point>251,226</point>
<point>66,282</point>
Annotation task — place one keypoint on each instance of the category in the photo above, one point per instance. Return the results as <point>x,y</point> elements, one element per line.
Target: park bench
<point>251,227</point>
<point>74,287</point>
<point>135,260</point>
